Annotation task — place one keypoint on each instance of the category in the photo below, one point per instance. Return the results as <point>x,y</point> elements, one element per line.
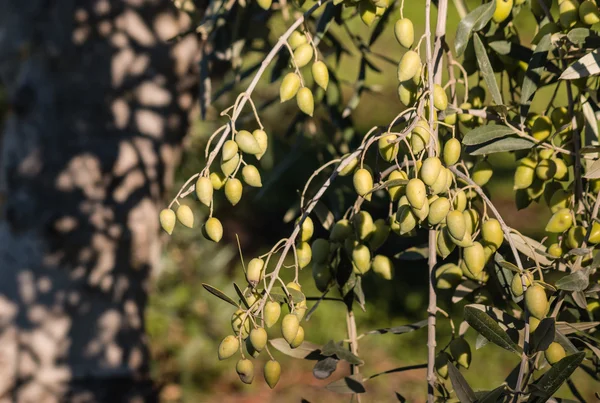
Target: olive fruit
<point>237,325</point>
<point>289,327</point>
<point>229,167</point>
<point>561,169</point>
<point>367,11</point>
<point>444,243</point>
<point>536,301</point>
<point>502,11</point>
<point>307,229</point>
<point>363,225</point>
<point>255,271</point>
<point>588,13</point>
<point>204,190</point>
<point>491,233</point>
<point>167,220</point>
<point>440,99</point>
<point>416,193</point>
<point>442,183</point>
<point>441,364</point>
<point>348,169</point>
<point>228,347</point>
<point>263,142</point>
<point>264,4</point>
<point>363,181</point>
<point>406,219</point>
<point>482,171</point>
<point>247,143</point>
<point>459,202</point>
<point>321,276</point>
<point>474,258</point>
<point>455,222</point>
<point>560,221</point>
<point>185,215</point>
<point>461,352</point>
<point>438,210</point>
<point>340,231</point>
<point>271,312</point>
<point>396,191</point>
<point>546,169</point>
<point>595,233</point>
<point>272,373</point>
<point>533,323</point>
<point>407,92</point>
<point>448,276</point>
<point>245,368</point>
<point>555,250</point>
<point>452,150</point>
<point>320,250</point>
<point>251,176</point>
<point>387,149</point>
<point>542,127</point>
<point>559,200</point>
<point>213,229</point>
<point>430,170</point>
<point>233,191</point>
<point>419,137</point>
<point>383,266</point>
<point>380,234</point>
<point>229,150</point>
<point>575,237</point>
<point>361,258</point>
<point>296,39</point>
<point>320,74</point>
<point>303,54</point>
<point>516,286</point>
<point>421,213</point>
<point>217,180</point>
<point>258,338</point>
<point>298,339</point>
<point>465,117</point>
<point>568,13</point>
<point>471,220</point>
<point>560,117</point>
<point>289,87</point>
<point>554,353</point>
<point>304,254</point>
<point>405,32</point>
<point>450,119</point>
<point>305,100</point>
<point>409,65</point>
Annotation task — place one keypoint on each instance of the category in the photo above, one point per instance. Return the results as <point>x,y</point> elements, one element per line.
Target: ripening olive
<point>554,353</point>
<point>452,150</point>
<point>405,32</point>
<point>560,117</point>
<point>213,229</point>
<point>396,191</point>
<point>363,225</point>
<point>289,86</point>
<point>185,215</point>
<point>204,190</point>
<point>561,169</point>
<point>305,100</point>
<point>474,258</point>
<point>421,213</point>
<point>296,39</point>
<point>233,191</point>
<point>455,222</point>
<point>367,11</point>
<point>217,180</point>
<point>303,55</point>
<point>536,301</point>
<point>465,117</point>
<point>271,312</point>
<point>167,220</point>
<point>237,325</point>
<point>559,200</point>
<point>461,352</point>
<point>476,97</point>
<point>416,193</point>
<point>502,11</point>
<point>575,237</point>
<point>307,229</point>
<point>251,176</point>
<point>340,231</point>
<point>255,271</point>
<point>229,167</point>
<point>568,13</point>
<point>444,243</point>
<point>438,210</point>
<point>443,182</point>
<point>229,150</point>
<point>320,250</point>
<point>320,74</point>
<point>406,219</point>
<point>430,170</point>
<point>263,142</point>
<point>409,65</point>
<point>361,258</point>
<point>419,138</point>
<point>448,276</point>
<point>228,347</point>
<point>546,169</point>
<point>560,221</point>
<point>555,250</point>
<point>304,254</point>
<point>321,276</point>
<point>264,4</point>
<point>258,338</point>
<point>363,182</point>
<point>380,234</point>
<point>247,143</point>
<point>272,373</point>
<point>352,164</point>
<point>516,286</point>
<point>595,233</point>
<point>460,200</point>
<point>588,13</point>
<point>244,367</point>
<point>407,92</point>
<point>523,177</point>
<point>387,149</point>
<point>542,127</point>
<point>289,327</point>
<point>471,220</point>
<point>440,99</point>
<point>491,233</point>
<point>383,266</point>
<point>441,364</point>
<point>298,339</point>
<point>482,171</point>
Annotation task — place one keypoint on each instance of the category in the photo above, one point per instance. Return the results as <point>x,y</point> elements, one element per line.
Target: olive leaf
<point>279,295</point>
<point>534,73</point>
<point>492,396</point>
<point>486,133</point>
<point>348,384</point>
<point>463,289</point>
<point>325,367</point>
<point>462,389</point>
<point>510,143</point>
<point>593,171</point>
<point>306,350</point>
<point>568,328</point>
<point>400,329</point>
<point>509,266</point>
<point>543,336</point>
<point>588,65</point>
<point>474,21</point>
<point>337,349</point>
<point>220,294</point>
<point>531,248</point>
<point>576,281</point>
<point>486,69</point>
<point>489,328</point>
<point>584,37</point>
<point>241,295</point>
<point>400,369</point>
<point>551,381</point>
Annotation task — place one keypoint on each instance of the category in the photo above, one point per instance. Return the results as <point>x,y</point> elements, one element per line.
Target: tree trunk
<point>99,104</point>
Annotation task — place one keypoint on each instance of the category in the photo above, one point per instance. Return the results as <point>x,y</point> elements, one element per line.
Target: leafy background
<point>185,323</point>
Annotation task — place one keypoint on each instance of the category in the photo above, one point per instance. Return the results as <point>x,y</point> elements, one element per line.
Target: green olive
<point>185,215</point>
<point>167,220</point>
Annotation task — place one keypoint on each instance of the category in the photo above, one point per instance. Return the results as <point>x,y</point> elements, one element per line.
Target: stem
<point>351,323</point>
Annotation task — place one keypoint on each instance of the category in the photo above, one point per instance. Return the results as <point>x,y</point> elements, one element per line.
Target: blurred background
<point>143,117</point>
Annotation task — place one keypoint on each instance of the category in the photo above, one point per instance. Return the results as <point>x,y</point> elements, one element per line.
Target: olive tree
<point>429,169</point>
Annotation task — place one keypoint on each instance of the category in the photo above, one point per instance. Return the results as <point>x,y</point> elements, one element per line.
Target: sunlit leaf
<point>576,281</point>
<point>474,21</point>
<point>306,350</point>
<point>400,329</point>
<point>588,65</point>
<point>486,326</point>
<point>486,69</point>
<point>220,294</point>
<point>511,143</point>
<point>486,133</point>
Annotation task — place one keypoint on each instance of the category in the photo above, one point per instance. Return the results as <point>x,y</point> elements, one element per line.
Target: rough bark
<point>99,104</point>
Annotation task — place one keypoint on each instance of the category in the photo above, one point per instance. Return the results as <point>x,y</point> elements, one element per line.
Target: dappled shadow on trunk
<point>99,103</point>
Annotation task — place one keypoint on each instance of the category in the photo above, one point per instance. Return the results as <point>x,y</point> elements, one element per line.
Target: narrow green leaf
<point>486,133</point>
<point>325,367</point>
<point>400,329</point>
<point>534,72</point>
<point>486,326</point>
<point>462,389</point>
<point>306,350</point>
<point>543,335</point>
<point>551,381</point>
<point>348,384</point>
<point>576,281</point>
<point>401,369</point>
<point>493,396</point>
<point>509,266</point>
<point>474,21</point>
<point>531,248</point>
<point>219,294</point>
<point>510,143</point>
<point>588,65</point>
<point>333,348</point>
<point>241,295</point>
<point>486,69</point>
<point>568,328</point>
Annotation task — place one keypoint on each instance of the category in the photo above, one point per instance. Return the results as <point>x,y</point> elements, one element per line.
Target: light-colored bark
<point>99,103</point>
